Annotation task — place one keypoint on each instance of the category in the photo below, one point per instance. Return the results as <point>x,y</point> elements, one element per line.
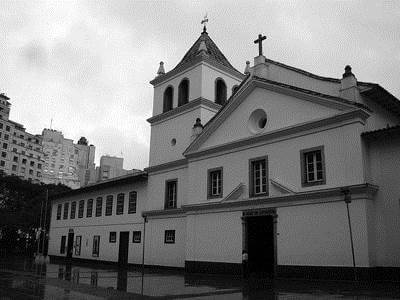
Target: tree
<point>20,208</point>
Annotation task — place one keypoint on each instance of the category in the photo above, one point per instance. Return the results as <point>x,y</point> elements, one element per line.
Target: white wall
<point>318,235</point>
<point>281,110</point>
<point>214,237</point>
<point>156,188</point>
<point>343,162</point>
<point>159,253</point>
<point>384,159</point>
<point>88,227</point>
<point>180,128</point>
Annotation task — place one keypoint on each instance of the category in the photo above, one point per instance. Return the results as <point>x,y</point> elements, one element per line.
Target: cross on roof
<point>259,42</point>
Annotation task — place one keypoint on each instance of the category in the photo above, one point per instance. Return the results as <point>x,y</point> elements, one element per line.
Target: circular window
<point>173,142</point>
<point>257,121</point>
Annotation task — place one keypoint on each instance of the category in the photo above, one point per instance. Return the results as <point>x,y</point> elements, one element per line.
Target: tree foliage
<point>21,204</point>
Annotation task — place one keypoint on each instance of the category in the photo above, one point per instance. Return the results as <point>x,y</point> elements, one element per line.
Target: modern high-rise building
<point>21,151</point>
<point>65,162</point>
<point>111,167</point>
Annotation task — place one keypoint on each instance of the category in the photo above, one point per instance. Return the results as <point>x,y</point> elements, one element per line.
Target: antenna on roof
<point>51,123</point>
<point>205,21</point>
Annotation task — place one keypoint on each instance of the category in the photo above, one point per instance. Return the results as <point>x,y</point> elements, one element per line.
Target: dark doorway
<point>261,245</point>
<point>70,245</point>
<point>123,248</point>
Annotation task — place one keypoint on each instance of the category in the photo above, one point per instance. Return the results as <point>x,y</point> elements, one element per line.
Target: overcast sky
<point>87,64</point>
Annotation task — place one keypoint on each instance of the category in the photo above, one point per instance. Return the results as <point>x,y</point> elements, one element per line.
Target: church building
<point>297,170</point>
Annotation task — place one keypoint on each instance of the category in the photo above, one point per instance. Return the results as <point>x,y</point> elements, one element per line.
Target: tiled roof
<point>309,92</point>
<point>125,179</point>
<point>213,52</point>
<point>382,97</point>
<point>210,53</point>
<point>389,130</point>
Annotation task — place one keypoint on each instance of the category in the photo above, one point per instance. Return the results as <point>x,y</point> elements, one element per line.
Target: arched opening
<point>220,91</point>
<point>183,92</point>
<point>168,98</point>
<point>235,88</point>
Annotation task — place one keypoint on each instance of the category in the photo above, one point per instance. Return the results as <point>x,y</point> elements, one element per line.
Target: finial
<point>259,42</point>
<point>204,21</point>
<point>161,70</point>
<point>198,123</point>
<point>347,71</point>
<point>247,69</point>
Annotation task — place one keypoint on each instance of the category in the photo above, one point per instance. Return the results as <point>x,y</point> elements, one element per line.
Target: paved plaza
<point>23,279</point>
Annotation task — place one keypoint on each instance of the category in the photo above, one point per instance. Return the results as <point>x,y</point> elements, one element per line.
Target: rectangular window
<point>169,237</point>
<point>132,202</point>
<point>2,163</point>
<point>120,203</point>
<point>81,208</point>
<point>312,166</point>
<point>99,206</point>
<point>66,208</point>
<point>5,145</point>
<point>14,167</point>
<point>78,242</point>
<point>214,183</point>
<point>73,209</point>
<point>62,246</point>
<point>89,208</point>
<point>109,205</point>
<point>258,178</point>
<point>136,236</point>
<point>24,161</point>
<point>96,246</point>
<point>3,154</point>
<point>113,237</point>
<point>59,207</point>
<point>15,159</point>
<point>171,188</point>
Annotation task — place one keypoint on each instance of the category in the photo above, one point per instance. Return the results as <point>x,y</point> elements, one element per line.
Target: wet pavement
<point>23,279</point>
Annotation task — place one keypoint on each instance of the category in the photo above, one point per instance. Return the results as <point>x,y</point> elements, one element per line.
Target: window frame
<point>81,208</point>
<point>63,244</point>
<point>119,209</point>
<point>303,167</point>
<point>73,210</point>
<point>59,211</point>
<point>66,211</point>
<point>109,205</point>
<point>252,161</point>
<point>112,237</point>
<point>210,195</point>
<point>132,202</point>
<point>96,246</point>
<point>136,237</point>
<point>89,208</point>
<point>166,199</point>
<point>78,245</point>
<point>99,208</point>
<point>171,239</point>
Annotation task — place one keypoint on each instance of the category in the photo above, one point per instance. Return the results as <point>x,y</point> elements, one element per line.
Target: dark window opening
<point>171,189</point>
<point>109,205</point>
<point>220,92</point>
<point>183,92</point>
<point>113,237</point>
<point>136,237</point>
<point>169,237</point>
<point>89,208</point>
<point>120,204</point>
<point>168,99</point>
<point>132,202</point>
<point>258,177</point>
<point>99,206</point>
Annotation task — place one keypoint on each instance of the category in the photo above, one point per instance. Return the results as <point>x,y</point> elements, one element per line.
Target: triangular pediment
<point>281,107</point>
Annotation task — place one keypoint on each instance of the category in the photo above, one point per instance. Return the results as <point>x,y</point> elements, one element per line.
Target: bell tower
<point>196,88</point>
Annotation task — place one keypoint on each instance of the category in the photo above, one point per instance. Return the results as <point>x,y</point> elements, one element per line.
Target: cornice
<point>278,134</point>
<point>160,79</point>
<point>358,192</point>
<point>184,108</point>
<point>166,166</point>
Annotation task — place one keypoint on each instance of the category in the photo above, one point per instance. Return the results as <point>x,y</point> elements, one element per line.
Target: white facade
<point>268,173</point>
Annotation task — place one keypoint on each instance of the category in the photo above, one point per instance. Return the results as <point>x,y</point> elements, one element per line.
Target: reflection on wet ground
<point>22,279</point>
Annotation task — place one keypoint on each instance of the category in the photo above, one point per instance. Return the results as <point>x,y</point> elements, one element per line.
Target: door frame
<point>120,263</point>
<point>261,213</point>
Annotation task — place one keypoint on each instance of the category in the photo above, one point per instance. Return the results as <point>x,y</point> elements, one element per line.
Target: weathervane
<point>259,42</point>
<point>204,21</point>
